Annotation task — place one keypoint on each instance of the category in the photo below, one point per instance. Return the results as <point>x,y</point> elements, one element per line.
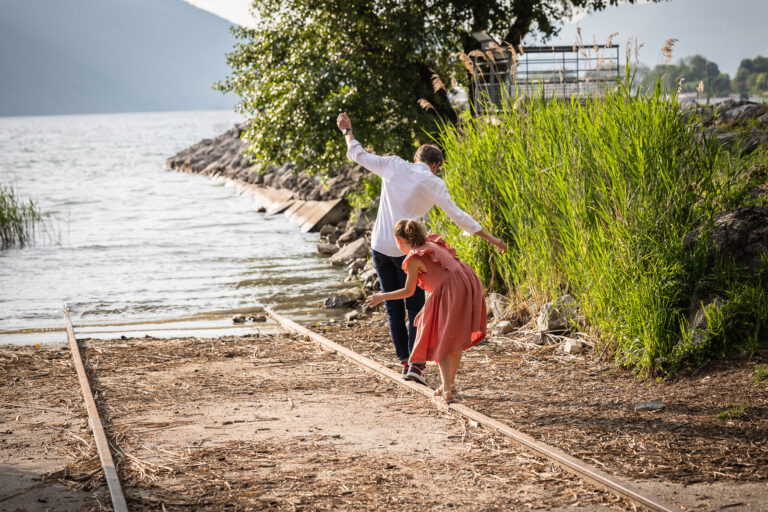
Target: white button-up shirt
<point>408,191</point>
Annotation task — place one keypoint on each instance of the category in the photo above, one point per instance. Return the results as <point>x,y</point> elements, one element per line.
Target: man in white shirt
<point>408,191</point>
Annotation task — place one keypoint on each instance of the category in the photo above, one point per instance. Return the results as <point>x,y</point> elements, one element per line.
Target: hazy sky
<point>724,31</point>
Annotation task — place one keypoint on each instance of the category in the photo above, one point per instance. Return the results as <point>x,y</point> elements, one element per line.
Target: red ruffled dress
<point>454,317</point>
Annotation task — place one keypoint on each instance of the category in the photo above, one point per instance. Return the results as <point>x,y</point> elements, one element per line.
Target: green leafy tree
<point>377,59</point>
<point>752,76</point>
<point>691,70</point>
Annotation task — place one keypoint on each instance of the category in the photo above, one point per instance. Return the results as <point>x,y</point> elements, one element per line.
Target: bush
<point>18,218</point>
<point>594,198</point>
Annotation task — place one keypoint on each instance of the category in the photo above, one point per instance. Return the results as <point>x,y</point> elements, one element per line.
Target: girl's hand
<point>374,300</point>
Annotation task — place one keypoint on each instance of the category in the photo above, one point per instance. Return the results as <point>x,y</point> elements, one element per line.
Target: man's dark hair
<point>429,154</point>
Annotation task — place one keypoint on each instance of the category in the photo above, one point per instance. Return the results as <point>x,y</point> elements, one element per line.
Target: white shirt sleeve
<point>374,163</point>
<point>460,217</point>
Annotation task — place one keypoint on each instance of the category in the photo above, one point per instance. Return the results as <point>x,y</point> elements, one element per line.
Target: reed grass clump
<point>594,198</point>
<point>18,218</point>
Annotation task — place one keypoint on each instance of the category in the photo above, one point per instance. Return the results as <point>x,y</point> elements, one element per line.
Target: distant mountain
<point>97,56</point>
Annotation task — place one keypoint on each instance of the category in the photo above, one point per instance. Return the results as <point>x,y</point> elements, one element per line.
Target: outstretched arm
<point>498,242</point>
<point>413,268</point>
<point>464,220</point>
<point>355,152</point>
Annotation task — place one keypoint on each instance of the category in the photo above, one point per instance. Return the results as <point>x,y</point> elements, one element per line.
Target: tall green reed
<point>18,218</point>
<point>594,197</point>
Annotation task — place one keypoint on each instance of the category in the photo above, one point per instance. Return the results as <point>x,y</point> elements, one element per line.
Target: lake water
<point>133,243</point>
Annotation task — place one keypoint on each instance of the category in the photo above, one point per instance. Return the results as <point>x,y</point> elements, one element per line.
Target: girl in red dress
<point>454,317</point>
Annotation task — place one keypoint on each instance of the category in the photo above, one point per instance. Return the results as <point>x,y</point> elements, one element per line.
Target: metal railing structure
<point>559,71</point>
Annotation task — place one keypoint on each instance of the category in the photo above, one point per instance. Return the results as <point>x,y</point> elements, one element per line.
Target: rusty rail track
<point>102,446</point>
<point>567,462</point>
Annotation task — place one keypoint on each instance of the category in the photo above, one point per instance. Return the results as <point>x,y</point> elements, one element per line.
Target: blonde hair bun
<point>411,231</point>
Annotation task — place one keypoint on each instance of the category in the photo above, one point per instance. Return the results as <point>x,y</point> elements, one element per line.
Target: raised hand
<point>343,121</point>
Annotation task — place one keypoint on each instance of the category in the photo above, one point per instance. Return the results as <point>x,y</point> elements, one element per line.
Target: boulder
<point>344,298</point>
<point>257,318</point>
<point>753,141</point>
<point>727,138</point>
<point>238,319</point>
<point>503,327</point>
<point>327,248</point>
<point>699,323</point>
<point>740,113</point>
<point>763,119</point>
<point>499,306</point>
<point>354,293</point>
<point>368,274</point>
<point>573,346</point>
<point>653,405</point>
<point>740,235</point>
<point>349,236</point>
<point>326,230</point>
<point>356,266</point>
<point>557,316</point>
<point>352,316</point>
<point>356,250</point>
<point>337,301</point>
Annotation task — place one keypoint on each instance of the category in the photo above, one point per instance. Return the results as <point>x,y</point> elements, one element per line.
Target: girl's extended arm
<point>413,268</point>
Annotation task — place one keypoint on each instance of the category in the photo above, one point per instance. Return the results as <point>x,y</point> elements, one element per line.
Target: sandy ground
<point>273,422</point>
<point>249,423</point>
<point>585,405</point>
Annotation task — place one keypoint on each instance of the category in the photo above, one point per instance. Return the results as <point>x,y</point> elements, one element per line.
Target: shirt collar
<point>425,165</point>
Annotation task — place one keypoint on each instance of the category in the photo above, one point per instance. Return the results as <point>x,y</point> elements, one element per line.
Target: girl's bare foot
<point>439,390</point>
<point>448,397</point>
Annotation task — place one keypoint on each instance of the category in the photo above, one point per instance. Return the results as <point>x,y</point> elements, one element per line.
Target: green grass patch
<point>364,193</point>
<point>734,412</point>
<point>760,374</point>
<point>594,198</point>
<point>18,218</point>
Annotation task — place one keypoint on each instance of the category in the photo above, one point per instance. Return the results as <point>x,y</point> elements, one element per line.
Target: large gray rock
<point>699,324</point>
<point>327,248</point>
<point>503,327</point>
<point>356,250</point>
<point>573,346</point>
<point>653,405</point>
<point>740,113</point>
<point>499,306</point>
<point>350,235</point>
<point>740,235</point>
<point>557,316</point>
<point>345,298</point>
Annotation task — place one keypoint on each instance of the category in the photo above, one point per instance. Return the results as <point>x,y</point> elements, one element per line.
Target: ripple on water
<point>135,241</point>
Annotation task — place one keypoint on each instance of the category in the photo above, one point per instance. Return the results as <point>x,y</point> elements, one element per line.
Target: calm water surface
<point>132,241</point>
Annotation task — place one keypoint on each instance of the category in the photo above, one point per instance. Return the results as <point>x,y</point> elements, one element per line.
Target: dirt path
<point>255,423</point>
<point>690,452</point>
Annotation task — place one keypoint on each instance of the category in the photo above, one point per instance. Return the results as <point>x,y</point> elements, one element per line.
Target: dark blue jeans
<point>392,277</point>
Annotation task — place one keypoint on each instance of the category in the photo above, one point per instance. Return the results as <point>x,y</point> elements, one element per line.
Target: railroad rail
<point>102,446</point>
<point>567,462</point>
